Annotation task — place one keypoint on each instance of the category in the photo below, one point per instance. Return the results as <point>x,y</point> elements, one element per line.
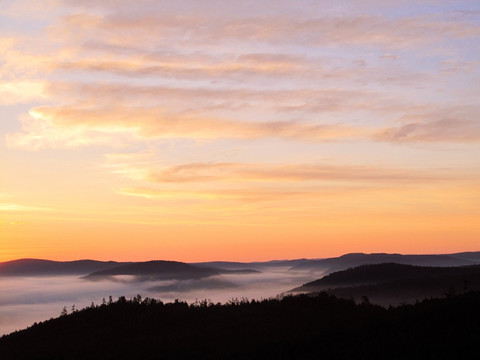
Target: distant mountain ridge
<point>356,259</point>
<point>257,265</point>
<point>91,269</point>
<point>156,269</point>
<point>40,267</point>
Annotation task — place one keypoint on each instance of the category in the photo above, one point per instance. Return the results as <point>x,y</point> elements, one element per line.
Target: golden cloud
<point>72,127</point>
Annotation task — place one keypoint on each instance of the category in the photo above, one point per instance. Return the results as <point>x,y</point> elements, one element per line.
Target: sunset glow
<point>204,130</point>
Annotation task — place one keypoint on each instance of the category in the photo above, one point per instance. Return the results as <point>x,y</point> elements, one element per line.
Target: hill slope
<point>300,327</point>
<point>259,265</point>
<point>396,283</point>
<point>157,269</point>
<point>39,267</point>
<point>356,259</point>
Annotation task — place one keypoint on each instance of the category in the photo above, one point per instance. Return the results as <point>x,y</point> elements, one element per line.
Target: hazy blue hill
<point>469,256</point>
<point>395,283</point>
<point>238,272</point>
<point>356,259</point>
<point>262,265</point>
<point>156,269</point>
<point>287,262</point>
<point>296,327</point>
<point>39,267</point>
<point>92,269</point>
<point>227,265</point>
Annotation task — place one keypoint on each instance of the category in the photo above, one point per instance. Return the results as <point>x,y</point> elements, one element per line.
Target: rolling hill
<point>356,259</point>
<point>392,283</point>
<point>258,265</point>
<point>39,267</point>
<point>156,270</point>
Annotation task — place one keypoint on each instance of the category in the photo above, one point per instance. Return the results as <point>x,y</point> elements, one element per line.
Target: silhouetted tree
<point>365,300</point>
<point>450,292</point>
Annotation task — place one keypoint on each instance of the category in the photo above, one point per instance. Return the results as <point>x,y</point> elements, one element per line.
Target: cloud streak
<point>251,183</point>
<point>201,172</point>
<point>446,130</point>
<point>73,127</point>
<point>374,30</point>
<point>9,207</point>
<point>456,124</point>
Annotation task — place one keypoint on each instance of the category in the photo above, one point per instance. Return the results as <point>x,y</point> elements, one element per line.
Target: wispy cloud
<point>457,124</point>
<point>73,127</point>
<point>200,172</point>
<point>17,92</point>
<point>251,182</point>
<point>10,207</point>
<point>314,31</point>
<point>9,223</point>
<point>437,131</point>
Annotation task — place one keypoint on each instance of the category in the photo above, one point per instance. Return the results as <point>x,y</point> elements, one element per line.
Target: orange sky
<point>194,132</point>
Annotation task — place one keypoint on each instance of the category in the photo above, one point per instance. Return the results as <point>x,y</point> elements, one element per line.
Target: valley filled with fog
<point>35,290</point>
<point>25,300</point>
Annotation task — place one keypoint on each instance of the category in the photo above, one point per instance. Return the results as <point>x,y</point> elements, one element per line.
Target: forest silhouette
<point>304,326</point>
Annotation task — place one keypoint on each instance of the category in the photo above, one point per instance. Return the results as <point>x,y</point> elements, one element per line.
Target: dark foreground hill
<point>296,327</point>
<point>396,283</point>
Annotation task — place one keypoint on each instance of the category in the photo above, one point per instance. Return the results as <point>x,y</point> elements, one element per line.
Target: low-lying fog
<point>25,300</point>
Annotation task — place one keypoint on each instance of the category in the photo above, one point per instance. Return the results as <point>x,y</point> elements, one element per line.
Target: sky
<point>238,130</point>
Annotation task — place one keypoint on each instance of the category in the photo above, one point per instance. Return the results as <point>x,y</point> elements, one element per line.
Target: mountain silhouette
<point>39,267</point>
<point>356,259</point>
<point>392,283</point>
<point>155,270</point>
<point>258,265</point>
